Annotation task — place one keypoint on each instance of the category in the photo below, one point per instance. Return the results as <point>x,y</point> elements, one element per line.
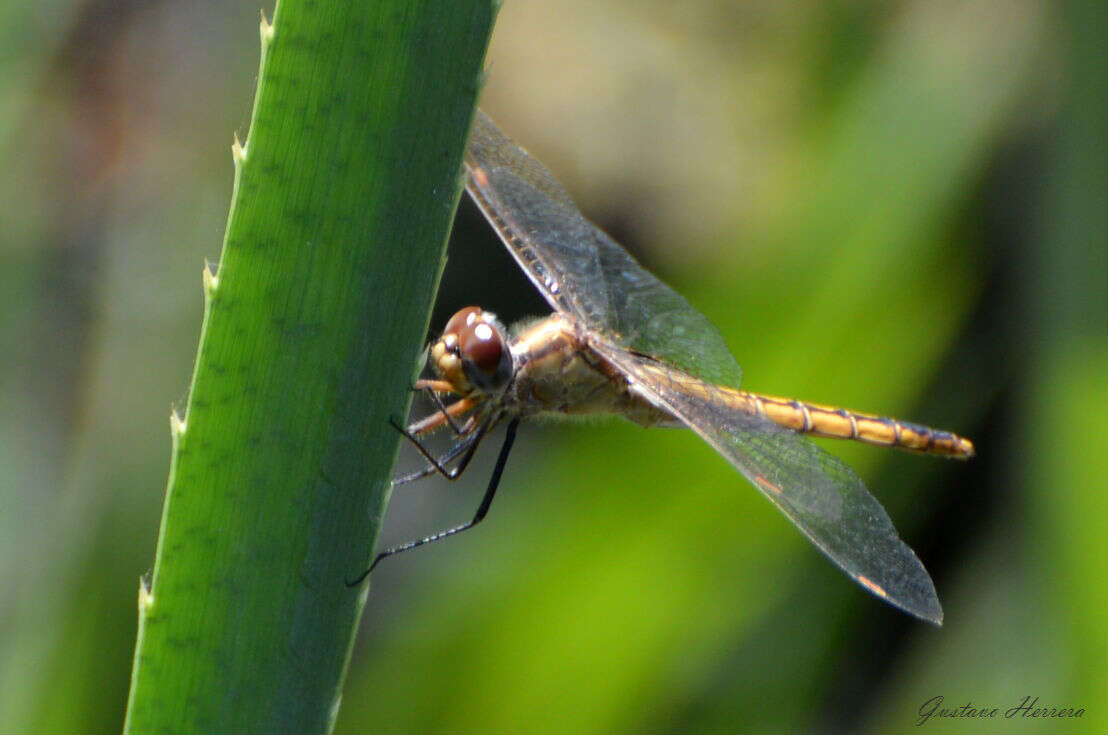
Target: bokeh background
<point>899,207</point>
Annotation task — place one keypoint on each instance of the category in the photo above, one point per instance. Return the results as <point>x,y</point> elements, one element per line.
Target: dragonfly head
<point>472,354</point>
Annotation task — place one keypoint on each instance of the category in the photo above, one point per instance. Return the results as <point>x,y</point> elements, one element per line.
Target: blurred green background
<point>897,207</point>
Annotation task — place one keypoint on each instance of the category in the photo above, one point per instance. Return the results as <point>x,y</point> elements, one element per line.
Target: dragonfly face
<point>623,342</point>
<point>473,354</point>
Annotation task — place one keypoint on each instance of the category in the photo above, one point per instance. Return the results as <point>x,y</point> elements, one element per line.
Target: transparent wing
<point>579,269</point>
<point>817,492</point>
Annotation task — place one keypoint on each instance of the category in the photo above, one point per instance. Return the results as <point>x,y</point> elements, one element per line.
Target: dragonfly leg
<point>467,442</point>
<point>441,386</point>
<point>443,409</point>
<point>436,420</point>
<point>482,510</point>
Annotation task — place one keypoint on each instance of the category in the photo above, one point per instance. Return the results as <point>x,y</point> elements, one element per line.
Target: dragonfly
<point>620,341</point>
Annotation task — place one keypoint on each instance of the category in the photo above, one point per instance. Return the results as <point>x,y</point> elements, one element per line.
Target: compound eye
<point>466,317</point>
<point>481,347</point>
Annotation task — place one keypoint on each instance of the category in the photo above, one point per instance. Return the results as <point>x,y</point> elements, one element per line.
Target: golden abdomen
<point>559,374</point>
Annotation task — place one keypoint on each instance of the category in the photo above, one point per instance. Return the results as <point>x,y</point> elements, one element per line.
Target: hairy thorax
<point>556,372</point>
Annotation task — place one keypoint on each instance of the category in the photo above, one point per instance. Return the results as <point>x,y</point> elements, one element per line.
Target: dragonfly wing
<point>579,269</point>
<point>817,492</point>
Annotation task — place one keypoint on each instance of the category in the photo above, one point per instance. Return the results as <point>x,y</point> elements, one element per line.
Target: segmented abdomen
<point>839,423</point>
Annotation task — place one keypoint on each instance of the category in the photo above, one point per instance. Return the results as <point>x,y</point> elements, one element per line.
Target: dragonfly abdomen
<point>839,423</point>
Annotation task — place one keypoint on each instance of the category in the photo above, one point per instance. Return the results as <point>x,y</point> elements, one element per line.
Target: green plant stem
<point>344,195</point>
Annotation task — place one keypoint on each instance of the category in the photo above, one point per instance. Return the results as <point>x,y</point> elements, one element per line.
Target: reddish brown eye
<point>461,320</point>
<point>473,352</point>
<point>481,346</point>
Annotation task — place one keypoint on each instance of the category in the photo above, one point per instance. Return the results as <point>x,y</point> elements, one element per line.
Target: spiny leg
<point>443,409</point>
<point>469,437</point>
<point>435,389</point>
<point>436,420</point>
<point>438,465</point>
<point>482,510</point>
